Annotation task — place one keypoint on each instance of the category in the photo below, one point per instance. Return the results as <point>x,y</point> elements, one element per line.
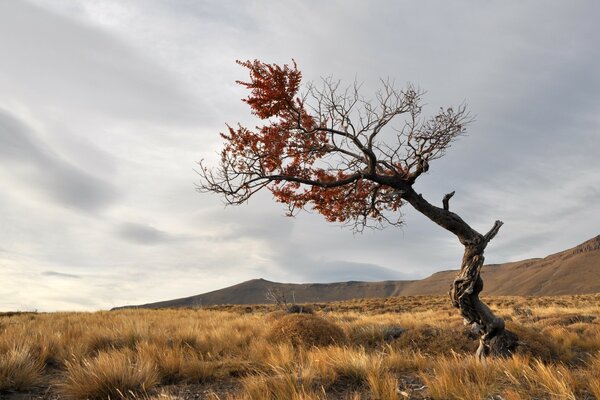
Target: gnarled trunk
<point>494,339</point>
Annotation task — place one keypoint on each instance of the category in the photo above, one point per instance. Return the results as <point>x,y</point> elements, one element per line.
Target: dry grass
<point>19,369</point>
<point>346,350</point>
<point>109,375</point>
<point>306,330</point>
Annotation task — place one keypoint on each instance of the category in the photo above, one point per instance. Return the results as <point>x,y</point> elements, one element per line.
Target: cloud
<point>143,234</point>
<point>108,104</point>
<point>341,271</point>
<point>60,275</point>
<point>70,66</point>
<point>43,170</point>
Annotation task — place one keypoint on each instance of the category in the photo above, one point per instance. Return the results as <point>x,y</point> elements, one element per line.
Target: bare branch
<point>493,232</point>
<point>446,200</point>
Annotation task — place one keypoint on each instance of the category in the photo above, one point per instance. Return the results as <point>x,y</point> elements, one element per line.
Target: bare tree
<point>276,296</point>
<point>338,153</point>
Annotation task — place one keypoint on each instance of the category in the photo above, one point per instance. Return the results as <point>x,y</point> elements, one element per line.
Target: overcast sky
<point>105,107</point>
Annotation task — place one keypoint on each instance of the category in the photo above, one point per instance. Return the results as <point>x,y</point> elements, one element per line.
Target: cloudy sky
<point>105,106</point>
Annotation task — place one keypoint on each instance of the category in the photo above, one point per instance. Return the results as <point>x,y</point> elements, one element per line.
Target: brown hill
<point>573,271</point>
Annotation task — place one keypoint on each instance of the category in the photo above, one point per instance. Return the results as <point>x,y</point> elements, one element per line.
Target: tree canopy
<point>330,149</point>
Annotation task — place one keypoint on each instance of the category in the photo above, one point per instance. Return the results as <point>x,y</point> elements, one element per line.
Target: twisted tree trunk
<point>494,339</point>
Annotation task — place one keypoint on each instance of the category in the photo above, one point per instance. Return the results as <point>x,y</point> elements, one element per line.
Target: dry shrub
<point>19,369</point>
<point>306,330</point>
<point>113,374</point>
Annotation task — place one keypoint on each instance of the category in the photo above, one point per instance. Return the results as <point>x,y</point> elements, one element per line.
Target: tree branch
<point>446,200</point>
<point>493,232</point>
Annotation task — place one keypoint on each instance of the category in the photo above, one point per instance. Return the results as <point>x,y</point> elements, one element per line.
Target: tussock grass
<point>110,375</point>
<point>345,350</point>
<point>306,330</point>
<point>19,369</point>
<point>461,377</point>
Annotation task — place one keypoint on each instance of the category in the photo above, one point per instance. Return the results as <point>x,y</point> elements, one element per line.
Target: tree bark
<point>494,339</point>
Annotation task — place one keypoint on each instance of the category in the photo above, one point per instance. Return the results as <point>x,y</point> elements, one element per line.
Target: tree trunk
<point>494,339</point>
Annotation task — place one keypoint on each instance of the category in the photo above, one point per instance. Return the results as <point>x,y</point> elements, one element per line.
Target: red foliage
<point>290,150</point>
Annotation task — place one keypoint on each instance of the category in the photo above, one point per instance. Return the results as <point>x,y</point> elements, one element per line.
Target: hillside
<point>573,271</point>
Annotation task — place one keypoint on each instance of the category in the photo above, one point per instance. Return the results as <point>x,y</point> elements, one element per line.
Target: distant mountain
<point>573,271</point>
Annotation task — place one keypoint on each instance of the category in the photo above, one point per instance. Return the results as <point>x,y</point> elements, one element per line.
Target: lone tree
<point>332,150</point>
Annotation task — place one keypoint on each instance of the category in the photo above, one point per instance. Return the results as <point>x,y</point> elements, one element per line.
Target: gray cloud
<point>45,171</point>
<point>68,65</point>
<point>60,275</point>
<point>340,271</point>
<point>143,234</point>
<point>110,103</point>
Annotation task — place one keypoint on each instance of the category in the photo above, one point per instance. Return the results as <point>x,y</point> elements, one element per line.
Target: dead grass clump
<point>436,340</point>
<point>383,385</point>
<point>403,361</point>
<point>300,309</point>
<point>569,319</point>
<point>461,377</point>
<point>591,376</point>
<point>306,330</point>
<point>523,312</point>
<point>110,375</point>
<point>534,343</point>
<point>373,335</point>
<point>344,366</point>
<point>275,315</point>
<point>278,387</point>
<point>553,381</point>
<point>103,342</point>
<point>19,369</point>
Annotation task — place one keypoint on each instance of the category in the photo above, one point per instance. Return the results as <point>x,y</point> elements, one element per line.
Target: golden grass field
<point>346,350</point>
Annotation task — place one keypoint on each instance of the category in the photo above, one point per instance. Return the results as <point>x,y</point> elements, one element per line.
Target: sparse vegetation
<point>342,351</point>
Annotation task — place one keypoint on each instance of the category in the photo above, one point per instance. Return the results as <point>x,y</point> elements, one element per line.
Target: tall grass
<point>19,369</point>
<point>344,353</point>
<point>109,375</point>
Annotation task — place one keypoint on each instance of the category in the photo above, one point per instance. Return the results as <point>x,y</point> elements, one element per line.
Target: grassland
<point>395,348</point>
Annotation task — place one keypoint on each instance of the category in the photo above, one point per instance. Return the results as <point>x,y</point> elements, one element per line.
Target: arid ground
<point>394,348</point>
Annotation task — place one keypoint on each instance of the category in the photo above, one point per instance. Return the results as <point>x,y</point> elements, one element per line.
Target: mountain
<point>573,271</point>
